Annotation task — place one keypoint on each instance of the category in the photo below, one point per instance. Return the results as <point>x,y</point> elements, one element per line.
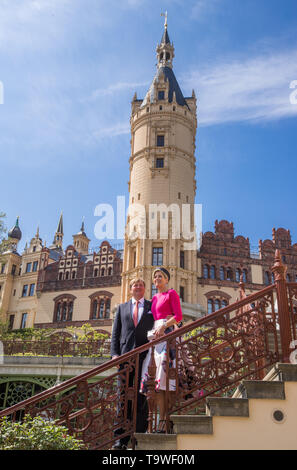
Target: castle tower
<point>81,241</point>
<point>162,183</point>
<point>58,238</point>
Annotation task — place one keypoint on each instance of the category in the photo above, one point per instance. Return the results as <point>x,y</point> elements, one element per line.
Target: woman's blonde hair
<point>164,272</point>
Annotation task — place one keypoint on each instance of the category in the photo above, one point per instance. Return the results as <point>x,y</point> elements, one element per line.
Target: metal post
<point>279,271</point>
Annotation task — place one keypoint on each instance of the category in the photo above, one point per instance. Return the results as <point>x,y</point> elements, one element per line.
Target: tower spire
<point>58,239</point>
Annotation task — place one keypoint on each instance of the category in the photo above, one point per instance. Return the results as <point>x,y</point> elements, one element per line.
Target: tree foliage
<point>36,434</point>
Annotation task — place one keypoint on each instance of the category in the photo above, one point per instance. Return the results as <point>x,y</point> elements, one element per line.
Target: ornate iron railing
<point>213,354</point>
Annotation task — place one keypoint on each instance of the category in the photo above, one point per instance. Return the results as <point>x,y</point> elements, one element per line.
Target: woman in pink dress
<point>167,312</point>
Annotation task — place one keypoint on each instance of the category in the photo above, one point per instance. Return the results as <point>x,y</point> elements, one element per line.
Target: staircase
<point>262,414</point>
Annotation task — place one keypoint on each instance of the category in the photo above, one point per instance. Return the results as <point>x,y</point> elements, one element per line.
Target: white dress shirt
<point>140,307</point>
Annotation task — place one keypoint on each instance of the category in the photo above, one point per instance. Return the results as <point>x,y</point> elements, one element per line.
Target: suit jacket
<point>125,336</point>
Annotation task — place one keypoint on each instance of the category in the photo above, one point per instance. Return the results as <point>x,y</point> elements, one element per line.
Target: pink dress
<point>163,305</point>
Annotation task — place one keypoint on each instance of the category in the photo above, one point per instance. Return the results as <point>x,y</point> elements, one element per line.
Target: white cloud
<point>112,131</point>
<point>253,89</point>
<point>115,87</point>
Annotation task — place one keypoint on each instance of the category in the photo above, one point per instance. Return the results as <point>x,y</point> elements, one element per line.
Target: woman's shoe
<point>161,426</point>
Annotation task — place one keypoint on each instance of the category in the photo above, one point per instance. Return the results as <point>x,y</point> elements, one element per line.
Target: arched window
<point>224,303</point>
<point>63,310</point>
<point>103,272</point>
<point>73,274</point>
<point>212,272</point>
<point>60,276</point>
<point>222,273</point>
<point>67,275</point>
<point>109,271</point>
<point>96,272</point>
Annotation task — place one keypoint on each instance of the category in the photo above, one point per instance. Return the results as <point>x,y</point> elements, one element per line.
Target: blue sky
<point>70,68</point>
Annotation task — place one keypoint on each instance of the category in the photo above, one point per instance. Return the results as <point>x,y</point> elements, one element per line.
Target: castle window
<point>109,271</point>
<point>60,276</point>
<point>13,269</point>
<point>3,268</point>
<point>182,293</point>
<point>210,306</point>
<point>267,278</point>
<point>182,259</point>
<point>96,273</point>
<point>244,275</point>
<point>73,274</point>
<point>28,267</point>
<point>222,273</point>
<point>24,320</point>
<point>11,321</point>
<point>107,308</point>
<point>217,305</point>
<point>212,272</point>
<point>160,108</point>
<point>206,271</point>
<point>229,275</point>
<point>31,290</point>
<point>237,275</point>
<point>63,309</point>
<point>67,275</point>
<point>160,140</point>
<point>160,163</point>
<point>167,56</point>
<point>161,95</point>
<point>103,272</point>
<point>25,290</point>
<point>101,308</point>
<point>157,256</point>
<point>35,265</point>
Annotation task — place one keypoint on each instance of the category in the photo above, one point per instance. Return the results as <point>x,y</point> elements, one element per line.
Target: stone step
<point>218,406</point>
<point>156,441</point>
<point>191,424</point>
<point>260,389</point>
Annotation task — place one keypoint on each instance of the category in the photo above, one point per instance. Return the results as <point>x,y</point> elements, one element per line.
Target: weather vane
<point>165,14</point>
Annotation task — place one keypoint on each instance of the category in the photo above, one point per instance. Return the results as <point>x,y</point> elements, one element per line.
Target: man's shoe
<point>119,447</point>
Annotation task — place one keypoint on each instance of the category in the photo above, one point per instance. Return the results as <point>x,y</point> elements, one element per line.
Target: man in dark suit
<point>133,320</point>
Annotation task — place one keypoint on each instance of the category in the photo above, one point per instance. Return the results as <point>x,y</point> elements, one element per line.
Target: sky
<point>69,70</point>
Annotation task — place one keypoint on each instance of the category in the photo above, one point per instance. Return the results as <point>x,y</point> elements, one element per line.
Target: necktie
<point>135,313</point>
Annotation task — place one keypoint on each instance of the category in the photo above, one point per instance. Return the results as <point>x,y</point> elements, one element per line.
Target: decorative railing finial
<point>279,269</point>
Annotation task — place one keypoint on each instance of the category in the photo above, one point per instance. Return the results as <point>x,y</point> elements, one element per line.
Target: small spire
<point>83,224</point>
<point>60,224</point>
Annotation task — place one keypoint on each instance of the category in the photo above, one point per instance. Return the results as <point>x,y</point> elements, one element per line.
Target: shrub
<point>36,434</point>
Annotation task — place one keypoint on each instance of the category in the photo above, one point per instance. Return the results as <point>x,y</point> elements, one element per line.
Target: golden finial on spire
<point>165,14</point>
